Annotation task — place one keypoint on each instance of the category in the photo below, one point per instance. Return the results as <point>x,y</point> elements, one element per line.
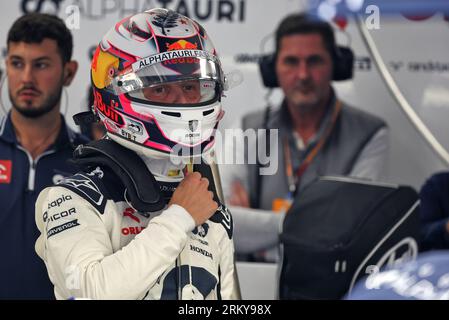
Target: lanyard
<point>293,179</point>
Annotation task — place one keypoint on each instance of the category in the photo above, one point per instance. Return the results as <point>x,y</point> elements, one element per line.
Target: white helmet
<point>138,60</point>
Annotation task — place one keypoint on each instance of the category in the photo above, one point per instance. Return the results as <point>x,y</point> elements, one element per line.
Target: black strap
<point>206,172</point>
<point>222,215</point>
<point>85,118</point>
<point>142,188</point>
<point>255,200</point>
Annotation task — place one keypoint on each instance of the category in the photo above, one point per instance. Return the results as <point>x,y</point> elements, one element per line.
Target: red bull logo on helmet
<point>180,45</point>
<point>107,110</point>
<point>183,65</point>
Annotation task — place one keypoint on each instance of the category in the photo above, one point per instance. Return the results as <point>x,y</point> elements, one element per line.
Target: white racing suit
<point>96,246</point>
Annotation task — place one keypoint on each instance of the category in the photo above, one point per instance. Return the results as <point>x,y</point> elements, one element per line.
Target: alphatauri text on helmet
<point>169,55</point>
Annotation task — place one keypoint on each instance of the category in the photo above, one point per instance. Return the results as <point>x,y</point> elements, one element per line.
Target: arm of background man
<point>81,262</point>
<point>255,229</point>
<point>371,163</point>
<point>233,168</point>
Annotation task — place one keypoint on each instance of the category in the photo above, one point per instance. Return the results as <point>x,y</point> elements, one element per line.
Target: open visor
<point>187,80</point>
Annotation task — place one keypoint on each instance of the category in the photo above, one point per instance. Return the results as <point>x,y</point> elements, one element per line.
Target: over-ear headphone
<point>343,61</point>
<point>343,64</point>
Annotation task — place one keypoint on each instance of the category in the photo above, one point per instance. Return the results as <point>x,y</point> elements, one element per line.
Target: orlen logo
<point>129,213</point>
<point>132,230</point>
<point>58,201</point>
<point>5,171</point>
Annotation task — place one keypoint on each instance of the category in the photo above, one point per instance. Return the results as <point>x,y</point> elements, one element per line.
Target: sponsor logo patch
<point>201,251</point>
<point>223,216</point>
<point>129,213</point>
<point>135,127</point>
<point>201,230</point>
<point>97,172</point>
<point>193,125</point>
<point>57,178</point>
<point>58,215</point>
<point>5,171</point>
<point>85,186</point>
<point>62,227</point>
<point>132,230</point>
<point>59,201</point>
<point>172,57</point>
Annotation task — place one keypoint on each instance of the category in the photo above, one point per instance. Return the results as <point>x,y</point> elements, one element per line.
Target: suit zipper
<point>33,164</point>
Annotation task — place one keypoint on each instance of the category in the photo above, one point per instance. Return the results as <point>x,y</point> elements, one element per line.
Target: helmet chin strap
<point>189,165</point>
<point>164,169</point>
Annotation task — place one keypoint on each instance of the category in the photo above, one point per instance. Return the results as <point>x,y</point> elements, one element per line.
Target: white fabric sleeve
<point>80,259</point>
<point>371,162</point>
<point>231,160</point>
<point>181,216</point>
<point>255,229</point>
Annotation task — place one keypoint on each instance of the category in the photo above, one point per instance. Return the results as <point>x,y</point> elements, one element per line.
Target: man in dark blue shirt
<point>434,212</point>
<point>35,143</point>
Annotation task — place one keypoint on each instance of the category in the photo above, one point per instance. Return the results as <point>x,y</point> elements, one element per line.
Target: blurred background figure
<point>318,133</point>
<point>35,143</point>
<point>434,212</point>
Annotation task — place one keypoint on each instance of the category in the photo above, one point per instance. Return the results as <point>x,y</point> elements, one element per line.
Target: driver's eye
<point>159,90</point>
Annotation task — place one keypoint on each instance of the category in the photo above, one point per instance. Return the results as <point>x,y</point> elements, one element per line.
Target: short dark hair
<point>35,27</point>
<point>301,23</point>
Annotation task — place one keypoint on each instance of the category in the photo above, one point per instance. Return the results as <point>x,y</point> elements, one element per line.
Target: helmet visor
<point>186,80</point>
<point>188,92</point>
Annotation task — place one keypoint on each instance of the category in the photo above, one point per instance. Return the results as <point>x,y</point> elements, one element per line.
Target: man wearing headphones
<point>318,134</point>
<point>35,143</point>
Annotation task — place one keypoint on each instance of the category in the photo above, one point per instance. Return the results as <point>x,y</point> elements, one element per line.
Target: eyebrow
<point>38,59</point>
<point>315,56</point>
<point>308,56</point>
